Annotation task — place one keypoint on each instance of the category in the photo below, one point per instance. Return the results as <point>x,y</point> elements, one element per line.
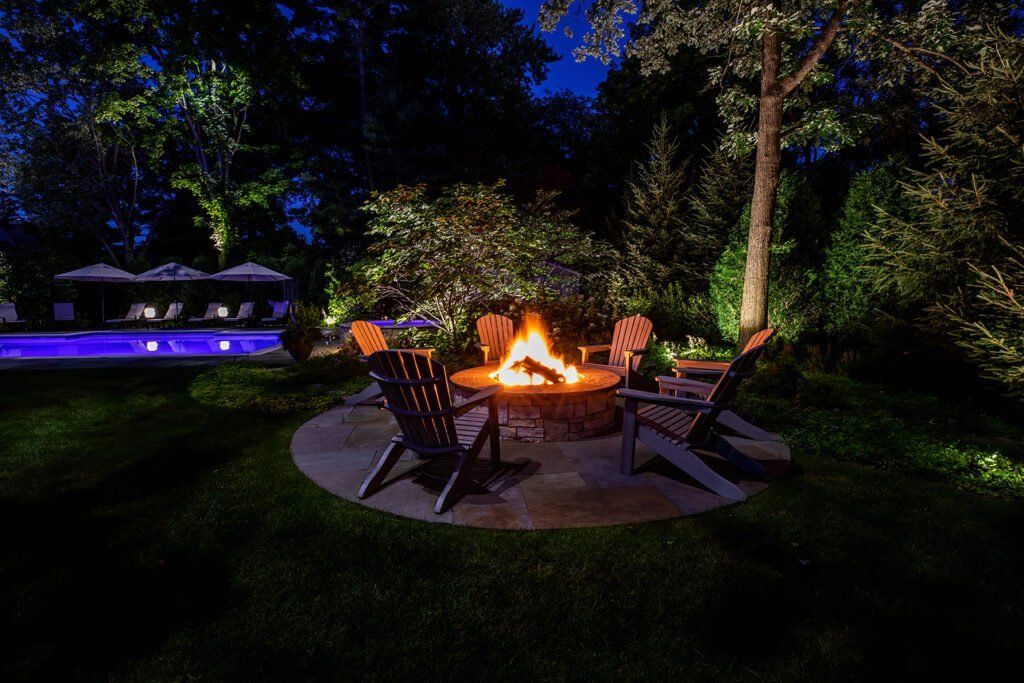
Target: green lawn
<point>155,527</point>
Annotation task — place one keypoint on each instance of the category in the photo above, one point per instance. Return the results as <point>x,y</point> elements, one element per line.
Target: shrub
<point>847,291</point>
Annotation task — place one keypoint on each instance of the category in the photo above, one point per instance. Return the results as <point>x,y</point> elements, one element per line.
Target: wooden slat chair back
<point>723,394</point>
<point>369,338</point>
<point>417,393</point>
<point>629,333</point>
<point>496,335</point>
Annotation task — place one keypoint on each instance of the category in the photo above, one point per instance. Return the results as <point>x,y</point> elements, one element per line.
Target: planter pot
<point>300,351</point>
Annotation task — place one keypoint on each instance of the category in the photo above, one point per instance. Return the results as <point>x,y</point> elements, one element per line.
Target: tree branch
<point>821,45</point>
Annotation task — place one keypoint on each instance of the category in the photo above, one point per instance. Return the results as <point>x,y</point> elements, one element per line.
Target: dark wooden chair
<point>683,385</point>
<point>496,335</point>
<point>678,428</point>
<point>417,393</point>
<point>714,368</point>
<point>370,340</point>
<point>629,342</point>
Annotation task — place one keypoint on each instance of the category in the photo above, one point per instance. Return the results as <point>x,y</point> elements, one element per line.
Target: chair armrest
<point>588,349</point>
<point>476,399</point>
<point>700,367</point>
<point>689,386</point>
<point>693,404</point>
<point>486,349</point>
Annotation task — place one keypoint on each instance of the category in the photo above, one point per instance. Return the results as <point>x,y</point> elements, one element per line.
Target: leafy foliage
<point>449,257</point>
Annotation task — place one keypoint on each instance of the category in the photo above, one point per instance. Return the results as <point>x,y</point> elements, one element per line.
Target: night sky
<point>581,78</point>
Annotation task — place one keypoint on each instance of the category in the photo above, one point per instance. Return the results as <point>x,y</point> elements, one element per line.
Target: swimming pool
<point>138,344</point>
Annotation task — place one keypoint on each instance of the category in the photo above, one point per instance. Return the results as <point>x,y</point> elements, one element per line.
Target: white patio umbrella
<point>172,272</point>
<point>101,273</point>
<point>250,272</point>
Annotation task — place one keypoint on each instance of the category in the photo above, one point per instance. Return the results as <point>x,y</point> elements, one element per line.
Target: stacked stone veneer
<point>555,416</point>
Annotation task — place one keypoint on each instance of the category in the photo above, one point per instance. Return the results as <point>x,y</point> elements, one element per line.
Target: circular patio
<point>538,485</point>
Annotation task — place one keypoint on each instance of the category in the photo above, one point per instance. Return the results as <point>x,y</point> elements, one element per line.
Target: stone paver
<point>538,485</point>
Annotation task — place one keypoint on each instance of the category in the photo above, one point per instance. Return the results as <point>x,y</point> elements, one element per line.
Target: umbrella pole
<point>103,305</point>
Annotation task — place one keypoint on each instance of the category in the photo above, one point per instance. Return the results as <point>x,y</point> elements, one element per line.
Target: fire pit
<point>544,399</point>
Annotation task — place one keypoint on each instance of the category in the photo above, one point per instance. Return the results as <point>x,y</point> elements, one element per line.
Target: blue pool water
<point>137,344</point>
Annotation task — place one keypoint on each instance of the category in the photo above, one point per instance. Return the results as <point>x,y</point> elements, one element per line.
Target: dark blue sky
<point>581,78</point>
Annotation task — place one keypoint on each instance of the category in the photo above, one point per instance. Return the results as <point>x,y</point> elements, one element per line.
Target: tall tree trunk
<point>754,308</point>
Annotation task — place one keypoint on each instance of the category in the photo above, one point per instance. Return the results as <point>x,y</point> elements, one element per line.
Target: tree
<point>78,103</point>
<point>660,244</point>
<point>780,44</point>
<point>214,104</point>
<point>954,260</point>
<point>449,257</point>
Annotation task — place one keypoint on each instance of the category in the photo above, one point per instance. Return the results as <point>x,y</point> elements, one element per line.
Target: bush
<point>848,294</point>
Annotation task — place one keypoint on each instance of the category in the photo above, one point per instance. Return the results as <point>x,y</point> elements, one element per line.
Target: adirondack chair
<point>682,385</point>
<point>496,334</point>
<point>371,340</point>
<point>714,368</point>
<point>417,393</point>
<point>9,315</point>
<point>629,343</point>
<point>677,428</point>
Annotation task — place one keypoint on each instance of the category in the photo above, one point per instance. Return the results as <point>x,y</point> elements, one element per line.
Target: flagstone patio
<point>538,485</point>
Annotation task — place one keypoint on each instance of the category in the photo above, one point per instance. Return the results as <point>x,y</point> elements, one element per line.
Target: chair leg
<point>387,460</point>
<point>495,434</point>
<point>628,437</point>
<point>692,465</point>
<point>456,483</point>
<point>733,456</point>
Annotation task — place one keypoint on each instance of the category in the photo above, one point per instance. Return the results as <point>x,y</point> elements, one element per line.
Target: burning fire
<point>530,349</point>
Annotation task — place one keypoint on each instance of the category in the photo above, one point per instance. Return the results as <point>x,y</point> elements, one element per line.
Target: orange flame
<point>533,342</point>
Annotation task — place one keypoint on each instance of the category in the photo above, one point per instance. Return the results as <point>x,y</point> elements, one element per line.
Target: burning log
<point>533,367</point>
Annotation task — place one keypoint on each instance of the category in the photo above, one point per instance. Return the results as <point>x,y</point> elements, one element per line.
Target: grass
<point>152,530</point>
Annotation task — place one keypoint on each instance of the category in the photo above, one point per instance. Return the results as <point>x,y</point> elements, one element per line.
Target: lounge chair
<point>683,430</point>
<point>134,314</point>
<point>496,334</point>
<point>417,393</point>
<point>629,343</point>
<point>172,314</point>
<point>371,340</point>
<point>63,313</point>
<point>210,315</point>
<point>278,312</point>
<point>682,385</point>
<point>9,315</point>
<point>244,313</point>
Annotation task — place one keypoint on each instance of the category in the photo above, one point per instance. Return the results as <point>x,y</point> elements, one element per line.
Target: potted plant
<point>302,332</point>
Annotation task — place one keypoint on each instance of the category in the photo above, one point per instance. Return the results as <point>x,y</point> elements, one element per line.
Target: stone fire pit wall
<point>554,417</point>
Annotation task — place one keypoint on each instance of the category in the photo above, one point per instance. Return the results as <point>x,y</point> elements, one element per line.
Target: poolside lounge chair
<point>9,315</point>
<point>417,393</point>
<point>278,312</point>
<point>629,343</point>
<point>683,430</point>
<point>134,314</point>
<point>172,314</point>
<point>210,315</point>
<point>244,313</point>
<point>371,340</point>
<point>63,312</point>
<point>496,334</point>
